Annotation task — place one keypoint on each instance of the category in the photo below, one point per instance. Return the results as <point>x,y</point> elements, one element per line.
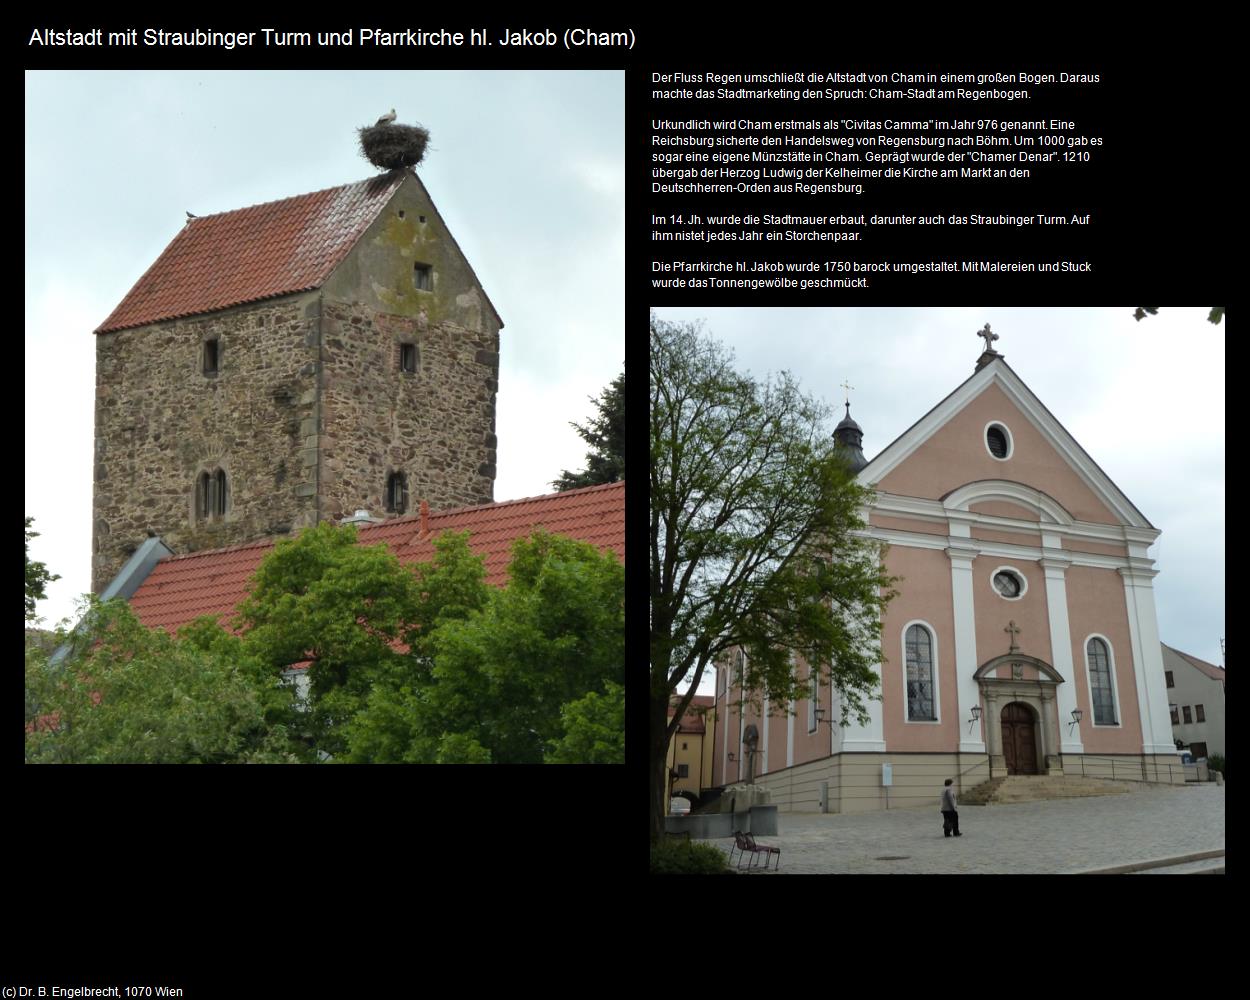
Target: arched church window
<point>919,650</point>
<point>1101,688</point>
<point>220,494</point>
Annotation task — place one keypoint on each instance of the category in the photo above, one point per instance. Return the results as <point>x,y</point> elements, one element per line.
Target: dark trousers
<point>950,822</point>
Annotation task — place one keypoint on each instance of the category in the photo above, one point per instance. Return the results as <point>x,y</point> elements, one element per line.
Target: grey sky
<point>527,169</point>
<point>1145,400</point>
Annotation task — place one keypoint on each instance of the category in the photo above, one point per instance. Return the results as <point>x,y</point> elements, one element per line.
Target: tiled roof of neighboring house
<point>277,248</point>
<point>692,721</point>
<point>1210,669</point>
<point>182,588</point>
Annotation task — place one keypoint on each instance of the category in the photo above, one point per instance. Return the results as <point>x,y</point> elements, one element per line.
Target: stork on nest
<point>389,146</point>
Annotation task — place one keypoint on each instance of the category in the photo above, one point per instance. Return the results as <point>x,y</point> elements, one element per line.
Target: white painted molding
<point>1018,574</point>
<point>1089,684</point>
<point>1011,442</point>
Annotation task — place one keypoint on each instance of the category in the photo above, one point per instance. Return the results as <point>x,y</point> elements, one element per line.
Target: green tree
<point>37,575</point>
<point>1214,316</point>
<point>752,543</point>
<point>605,433</point>
<point>346,610</point>
<point>594,729</point>
<point>500,674</point>
<point>131,695</point>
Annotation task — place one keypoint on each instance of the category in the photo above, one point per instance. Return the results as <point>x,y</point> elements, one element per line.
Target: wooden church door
<point>1019,746</point>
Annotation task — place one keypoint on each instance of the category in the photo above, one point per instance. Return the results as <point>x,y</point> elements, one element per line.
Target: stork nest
<point>392,146</point>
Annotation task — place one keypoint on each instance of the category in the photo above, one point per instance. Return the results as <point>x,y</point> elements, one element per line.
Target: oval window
<point>1007,584</point>
<point>997,441</point>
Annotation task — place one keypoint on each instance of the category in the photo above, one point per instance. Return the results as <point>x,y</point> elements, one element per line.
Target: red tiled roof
<point>182,588</point>
<point>1210,669</point>
<point>693,720</point>
<point>254,253</point>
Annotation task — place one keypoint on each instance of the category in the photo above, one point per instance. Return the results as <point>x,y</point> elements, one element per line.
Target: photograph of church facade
<point>1023,639</point>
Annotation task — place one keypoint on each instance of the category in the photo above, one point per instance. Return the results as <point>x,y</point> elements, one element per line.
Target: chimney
<point>361,517</point>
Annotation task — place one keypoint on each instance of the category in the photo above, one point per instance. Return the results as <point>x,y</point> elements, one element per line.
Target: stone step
<point>1038,788</point>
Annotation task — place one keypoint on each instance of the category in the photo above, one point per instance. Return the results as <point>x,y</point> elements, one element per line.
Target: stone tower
<point>292,362</point>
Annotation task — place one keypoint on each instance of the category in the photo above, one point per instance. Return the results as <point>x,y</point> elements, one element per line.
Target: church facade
<point>1023,639</point>
<point>289,363</point>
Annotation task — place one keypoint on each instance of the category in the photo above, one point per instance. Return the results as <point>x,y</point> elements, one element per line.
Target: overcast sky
<point>1145,400</point>
<point>527,169</point>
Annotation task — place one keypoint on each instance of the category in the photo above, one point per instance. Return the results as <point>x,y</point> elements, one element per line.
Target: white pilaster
<point>1152,698</point>
<point>1056,567</point>
<point>965,640</point>
<point>790,735</point>
<point>763,769</point>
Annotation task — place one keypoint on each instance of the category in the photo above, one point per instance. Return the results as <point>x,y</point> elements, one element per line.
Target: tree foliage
<point>37,575</point>
<point>594,729</point>
<point>752,521</point>
<point>605,433</point>
<point>1214,316</point>
<point>128,694</point>
<point>499,675</point>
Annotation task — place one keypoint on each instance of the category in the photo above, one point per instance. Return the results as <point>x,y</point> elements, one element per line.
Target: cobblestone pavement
<point>1057,836</point>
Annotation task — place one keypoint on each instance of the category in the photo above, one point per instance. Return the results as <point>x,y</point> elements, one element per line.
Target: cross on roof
<point>989,336</point>
<point>846,384</point>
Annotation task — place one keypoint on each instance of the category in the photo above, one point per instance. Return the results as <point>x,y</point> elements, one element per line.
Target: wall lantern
<point>976,714</point>
<point>1076,720</point>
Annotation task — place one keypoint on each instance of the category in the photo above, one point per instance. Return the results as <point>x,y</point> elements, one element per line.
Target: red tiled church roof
<point>182,588</point>
<point>254,253</point>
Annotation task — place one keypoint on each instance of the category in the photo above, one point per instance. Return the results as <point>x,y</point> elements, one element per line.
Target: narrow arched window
<point>1100,685</point>
<point>919,644</point>
<point>201,497</point>
<point>397,493</point>
<point>219,481</point>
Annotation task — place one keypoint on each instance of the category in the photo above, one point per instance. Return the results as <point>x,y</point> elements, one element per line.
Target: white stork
<point>386,119</point>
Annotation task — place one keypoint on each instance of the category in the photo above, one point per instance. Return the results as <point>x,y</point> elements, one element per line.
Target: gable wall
<point>437,426</point>
<point>956,455</point>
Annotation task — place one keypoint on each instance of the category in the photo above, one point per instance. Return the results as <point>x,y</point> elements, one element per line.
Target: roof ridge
<point>293,197</point>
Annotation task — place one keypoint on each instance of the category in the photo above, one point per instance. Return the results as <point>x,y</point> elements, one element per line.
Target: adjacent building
<point>1196,701</point>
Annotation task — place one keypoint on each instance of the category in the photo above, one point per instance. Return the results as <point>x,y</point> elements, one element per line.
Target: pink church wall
<point>1096,605</point>
<point>956,455</point>
<point>777,722</point>
<point>924,595</point>
<point>907,524</point>
<point>810,746</point>
<point>1001,508</point>
<point>993,611</point>
<point>1094,548</point>
<point>1021,537</point>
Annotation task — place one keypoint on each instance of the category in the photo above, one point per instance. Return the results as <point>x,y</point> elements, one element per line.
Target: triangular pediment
<point>945,454</point>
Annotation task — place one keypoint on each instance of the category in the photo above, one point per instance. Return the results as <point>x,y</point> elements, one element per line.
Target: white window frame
<point>937,700</point>
<point>1024,582</point>
<point>1115,687</point>
<point>985,440</point>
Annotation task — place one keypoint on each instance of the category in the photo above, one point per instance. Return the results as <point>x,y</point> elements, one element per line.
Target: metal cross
<point>1011,627</point>
<point>848,387</point>
<point>989,338</point>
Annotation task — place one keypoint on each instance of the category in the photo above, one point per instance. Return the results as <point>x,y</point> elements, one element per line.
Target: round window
<point>997,442</point>
<point>1007,583</point>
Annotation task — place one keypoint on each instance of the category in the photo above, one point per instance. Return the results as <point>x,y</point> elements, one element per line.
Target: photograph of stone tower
<point>292,362</point>
<point>279,332</point>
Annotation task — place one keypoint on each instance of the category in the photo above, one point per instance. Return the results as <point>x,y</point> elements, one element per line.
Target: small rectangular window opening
<point>210,357</point>
<point>408,357</point>
<point>423,277</point>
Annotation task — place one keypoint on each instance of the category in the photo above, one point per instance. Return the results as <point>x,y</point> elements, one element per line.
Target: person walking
<point>950,818</point>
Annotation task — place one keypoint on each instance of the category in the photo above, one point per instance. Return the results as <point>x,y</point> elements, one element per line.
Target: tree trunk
<point>657,744</point>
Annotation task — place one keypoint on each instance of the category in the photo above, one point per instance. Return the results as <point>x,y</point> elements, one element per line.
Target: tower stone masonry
<point>292,362</point>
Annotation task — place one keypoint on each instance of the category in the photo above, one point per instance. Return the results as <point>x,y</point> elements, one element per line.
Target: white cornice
<point>970,548</point>
<point>997,373</point>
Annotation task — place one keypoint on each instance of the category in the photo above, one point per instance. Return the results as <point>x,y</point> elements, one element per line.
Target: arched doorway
<point>1019,741</point>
